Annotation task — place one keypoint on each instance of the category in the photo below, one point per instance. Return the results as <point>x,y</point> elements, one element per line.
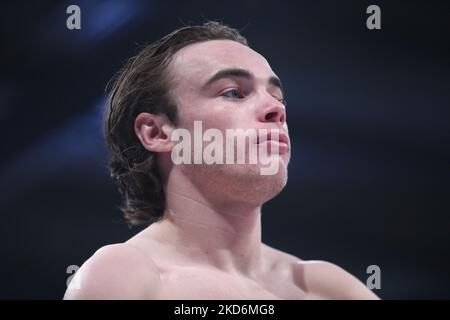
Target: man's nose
<point>274,112</point>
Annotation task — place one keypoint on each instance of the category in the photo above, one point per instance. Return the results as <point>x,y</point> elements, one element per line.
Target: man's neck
<point>225,235</point>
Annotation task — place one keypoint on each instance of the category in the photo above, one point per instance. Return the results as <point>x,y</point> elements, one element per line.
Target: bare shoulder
<point>326,280</point>
<point>321,279</point>
<point>279,257</point>
<point>117,271</point>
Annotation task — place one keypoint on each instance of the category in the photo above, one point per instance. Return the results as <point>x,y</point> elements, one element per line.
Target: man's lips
<point>282,142</point>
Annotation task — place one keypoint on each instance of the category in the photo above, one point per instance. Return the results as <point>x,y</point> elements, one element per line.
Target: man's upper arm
<point>116,271</point>
<point>329,281</point>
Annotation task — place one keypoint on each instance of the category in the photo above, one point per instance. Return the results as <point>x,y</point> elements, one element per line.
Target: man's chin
<point>250,184</point>
<point>239,182</point>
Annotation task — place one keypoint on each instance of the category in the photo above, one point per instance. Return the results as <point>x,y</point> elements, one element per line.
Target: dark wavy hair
<point>143,85</point>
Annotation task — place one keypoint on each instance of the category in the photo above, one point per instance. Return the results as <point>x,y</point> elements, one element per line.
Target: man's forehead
<point>200,60</point>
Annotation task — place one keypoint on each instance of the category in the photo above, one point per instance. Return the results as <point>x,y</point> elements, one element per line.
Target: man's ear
<point>154,132</point>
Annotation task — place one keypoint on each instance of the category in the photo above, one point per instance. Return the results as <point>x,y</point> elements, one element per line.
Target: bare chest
<point>189,283</point>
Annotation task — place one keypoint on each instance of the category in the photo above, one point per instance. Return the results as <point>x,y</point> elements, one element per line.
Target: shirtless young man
<point>205,239</point>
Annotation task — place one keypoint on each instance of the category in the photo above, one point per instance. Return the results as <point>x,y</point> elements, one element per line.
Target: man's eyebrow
<point>276,82</point>
<point>228,73</point>
<point>240,73</point>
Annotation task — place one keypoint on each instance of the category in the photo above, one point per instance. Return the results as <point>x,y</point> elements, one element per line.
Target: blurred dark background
<point>368,113</point>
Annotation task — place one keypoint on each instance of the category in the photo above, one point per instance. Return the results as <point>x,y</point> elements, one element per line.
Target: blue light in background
<point>102,19</point>
<point>80,138</point>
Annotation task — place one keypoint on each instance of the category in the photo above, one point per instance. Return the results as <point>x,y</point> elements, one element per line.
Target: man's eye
<point>233,93</point>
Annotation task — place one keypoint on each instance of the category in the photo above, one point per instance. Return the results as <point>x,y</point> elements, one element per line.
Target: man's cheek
<point>218,122</point>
